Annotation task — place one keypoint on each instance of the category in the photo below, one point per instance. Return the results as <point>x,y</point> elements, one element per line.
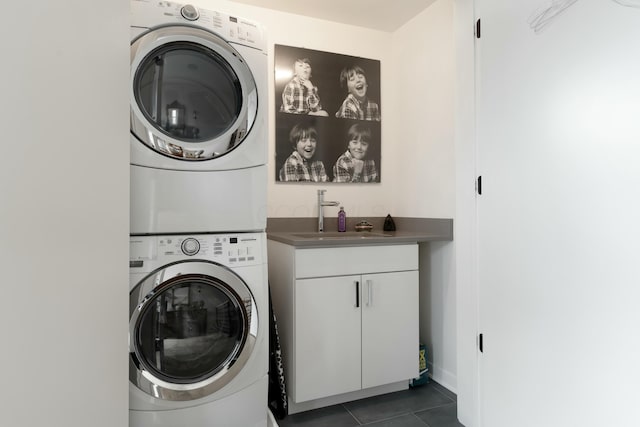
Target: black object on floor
<point>277,391</point>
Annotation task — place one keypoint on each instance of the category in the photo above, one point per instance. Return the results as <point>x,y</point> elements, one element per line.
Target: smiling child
<point>353,166</point>
<point>356,105</point>
<point>300,165</point>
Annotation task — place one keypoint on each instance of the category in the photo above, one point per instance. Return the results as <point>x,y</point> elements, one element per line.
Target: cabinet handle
<point>369,293</point>
<point>357,293</point>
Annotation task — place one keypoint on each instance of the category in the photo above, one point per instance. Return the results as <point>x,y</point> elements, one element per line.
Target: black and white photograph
<point>328,117</point>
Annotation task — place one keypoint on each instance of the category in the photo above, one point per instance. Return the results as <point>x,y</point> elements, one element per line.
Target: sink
<point>340,235</point>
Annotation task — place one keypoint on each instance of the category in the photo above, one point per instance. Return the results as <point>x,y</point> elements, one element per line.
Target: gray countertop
<point>300,232</point>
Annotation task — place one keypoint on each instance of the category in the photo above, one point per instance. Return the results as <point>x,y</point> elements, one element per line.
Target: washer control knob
<point>190,246</point>
<point>189,12</point>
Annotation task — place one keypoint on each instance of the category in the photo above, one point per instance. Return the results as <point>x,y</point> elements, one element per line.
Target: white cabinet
<point>327,337</point>
<point>348,316</point>
<point>389,327</point>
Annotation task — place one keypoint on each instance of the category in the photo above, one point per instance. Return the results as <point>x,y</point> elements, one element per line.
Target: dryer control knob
<point>190,246</point>
<point>189,12</point>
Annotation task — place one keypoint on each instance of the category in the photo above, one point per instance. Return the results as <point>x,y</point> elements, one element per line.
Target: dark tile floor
<point>428,405</point>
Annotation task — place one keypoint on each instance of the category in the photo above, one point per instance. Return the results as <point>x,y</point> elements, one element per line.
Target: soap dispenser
<point>342,220</point>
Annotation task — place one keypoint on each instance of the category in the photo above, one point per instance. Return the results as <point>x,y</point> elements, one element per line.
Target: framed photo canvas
<point>328,117</point>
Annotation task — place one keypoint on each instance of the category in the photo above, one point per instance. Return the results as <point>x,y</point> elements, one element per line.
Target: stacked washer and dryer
<point>198,338</point>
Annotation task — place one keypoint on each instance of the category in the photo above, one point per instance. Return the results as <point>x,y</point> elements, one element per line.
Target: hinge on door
<point>480,343</point>
<point>479,185</point>
<point>478,28</point>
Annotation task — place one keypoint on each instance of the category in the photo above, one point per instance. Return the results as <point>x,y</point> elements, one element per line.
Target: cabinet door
<point>327,337</point>
<point>390,340</point>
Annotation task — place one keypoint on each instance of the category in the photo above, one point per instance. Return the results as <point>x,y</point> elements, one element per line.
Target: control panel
<point>232,250</point>
<point>232,28</point>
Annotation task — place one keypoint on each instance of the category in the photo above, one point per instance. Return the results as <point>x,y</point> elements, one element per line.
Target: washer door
<point>193,96</point>
<point>193,325</point>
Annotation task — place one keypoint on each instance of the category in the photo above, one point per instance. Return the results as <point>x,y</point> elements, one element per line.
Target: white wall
<point>423,77</point>
<point>423,80</point>
<point>64,215</point>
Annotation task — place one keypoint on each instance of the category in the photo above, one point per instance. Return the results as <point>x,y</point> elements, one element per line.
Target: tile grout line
<point>413,414</point>
<point>350,413</point>
<point>420,419</point>
<point>443,393</point>
<point>387,419</point>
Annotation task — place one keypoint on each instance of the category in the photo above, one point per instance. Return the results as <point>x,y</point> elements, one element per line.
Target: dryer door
<point>193,325</point>
<point>193,96</point>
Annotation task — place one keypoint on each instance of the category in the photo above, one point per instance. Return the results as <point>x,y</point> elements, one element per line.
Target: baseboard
<point>294,408</point>
<point>443,377</point>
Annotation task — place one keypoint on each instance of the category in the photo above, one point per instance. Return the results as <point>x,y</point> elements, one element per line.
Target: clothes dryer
<point>198,120</point>
<point>198,338</point>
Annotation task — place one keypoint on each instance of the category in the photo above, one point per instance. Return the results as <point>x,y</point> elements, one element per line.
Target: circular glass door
<point>193,96</point>
<point>191,333</point>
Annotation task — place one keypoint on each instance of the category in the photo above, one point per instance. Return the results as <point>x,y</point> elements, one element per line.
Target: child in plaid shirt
<point>300,96</point>
<point>299,166</point>
<point>353,166</point>
<point>356,105</point>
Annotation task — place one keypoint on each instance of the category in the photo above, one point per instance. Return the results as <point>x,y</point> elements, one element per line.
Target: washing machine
<point>198,330</point>
<point>198,101</point>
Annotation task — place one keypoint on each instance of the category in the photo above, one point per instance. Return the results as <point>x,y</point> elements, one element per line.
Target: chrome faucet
<point>321,204</point>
